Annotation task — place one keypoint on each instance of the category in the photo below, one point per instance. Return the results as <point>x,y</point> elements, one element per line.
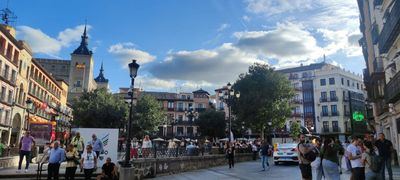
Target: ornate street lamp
<point>133,69</point>
<point>29,107</point>
<point>228,96</point>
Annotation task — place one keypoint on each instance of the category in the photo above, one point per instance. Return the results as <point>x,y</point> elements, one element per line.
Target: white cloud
<point>151,83</point>
<point>274,7</point>
<point>215,66</point>
<point>223,27</point>
<point>246,18</point>
<point>341,40</point>
<point>288,42</point>
<point>43,43</point>
<point>125,52</point>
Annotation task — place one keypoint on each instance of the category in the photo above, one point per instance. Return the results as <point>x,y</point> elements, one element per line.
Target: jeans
<point>317,173</point>
<point>70,173</point>
<point>388,163</point>
<point>358,173</point>
<point>53,170</point>
<point>264,161</point>
<point>331,170</point>
<point>371,176</point>
<point>27,155</point>
<point>88,173</point>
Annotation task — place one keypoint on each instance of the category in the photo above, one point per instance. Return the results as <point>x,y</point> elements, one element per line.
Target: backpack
<point>310,156</point>
<point>375,164</point>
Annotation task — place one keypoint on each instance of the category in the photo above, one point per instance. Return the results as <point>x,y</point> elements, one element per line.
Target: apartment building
<point>324,96</point>
<point>380,27</point>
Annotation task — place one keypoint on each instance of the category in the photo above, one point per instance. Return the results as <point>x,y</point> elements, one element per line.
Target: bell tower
<point>81,69</point>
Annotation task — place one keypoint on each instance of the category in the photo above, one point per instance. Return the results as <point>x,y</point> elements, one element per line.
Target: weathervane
<point>7,15</point>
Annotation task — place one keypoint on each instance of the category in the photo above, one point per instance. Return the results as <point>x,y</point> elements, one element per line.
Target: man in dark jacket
<point>264,154</point>
<point>385,148</point>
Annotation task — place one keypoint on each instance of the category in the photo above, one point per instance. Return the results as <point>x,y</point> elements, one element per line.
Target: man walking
<point>56,157</point>
<point>264,154</point>
<point>78,143</point>
<point>97,145</point>
<point>25,147</point>
<point>304,164</point>
<point>385,148</point>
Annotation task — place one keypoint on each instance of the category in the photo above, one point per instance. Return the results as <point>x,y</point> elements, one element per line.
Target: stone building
<point>380,27</point>
<point>58,68</point>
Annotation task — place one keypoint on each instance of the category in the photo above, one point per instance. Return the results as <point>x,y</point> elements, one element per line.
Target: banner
<point>109,139</point>
<point>41,133</point>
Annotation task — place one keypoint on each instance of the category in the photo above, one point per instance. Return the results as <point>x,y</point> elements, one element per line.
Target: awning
<point>38,120</point>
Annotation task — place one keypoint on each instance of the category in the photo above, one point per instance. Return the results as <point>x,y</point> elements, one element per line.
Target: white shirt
<point>147,144</point>
<point>88,160</point>
<point>354,150</point>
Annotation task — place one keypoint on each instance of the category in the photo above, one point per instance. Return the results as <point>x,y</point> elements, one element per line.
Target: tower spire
<point>83,48</point>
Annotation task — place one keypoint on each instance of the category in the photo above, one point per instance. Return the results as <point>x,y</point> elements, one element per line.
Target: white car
<point>286,153</point>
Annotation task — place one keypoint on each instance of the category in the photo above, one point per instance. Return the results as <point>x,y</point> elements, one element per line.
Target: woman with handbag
<point>72,157</point>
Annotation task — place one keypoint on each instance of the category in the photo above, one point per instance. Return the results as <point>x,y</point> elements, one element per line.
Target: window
<point>20,67</point>
<point>189,131</point>
<point>13,76</point>
<point>323,97</point>
<point>348,82</point>
<point>3,93</point>
<point>180,106</point>
<point>200,106</point>
<point>325,126</point>
<point>180,117</point>
<point>6,68</point>
<point>221,105</point>
<point>322,82</point>
<point>6,119</point>
<point>342,81</point>
<point>1,115</point>
<point>333,96</point>
<point>2,45</point>
<point>10,96</point>
<point>170,105</point>
<point>324,110</point>
<point>358,86</point>
<point>334,110</point>
<point>183,96</point>
<point>179,131</point>
<point>78,84</point>
<point>331,81</point>
<point>335,126</point>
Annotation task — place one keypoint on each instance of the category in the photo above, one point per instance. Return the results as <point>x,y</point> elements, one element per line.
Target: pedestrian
<point>230,154</point>
<point>97,145</point>
<point>265,152</point>
<point>316,164</point>
<point>385,148</point>
<point>354,154</point>
<point>26,143</point>
<point>109,171</point>
<point>146,146</point>
<point>304,149</point>
<point>79,143</point>
<point>72,157</point>
<point>340,154</point>
<point>330,159</point>
<point>171,147</point>
<point>254,149</point>
<point>89,162</point>
<point>367,161</point>
<point>56,157</point>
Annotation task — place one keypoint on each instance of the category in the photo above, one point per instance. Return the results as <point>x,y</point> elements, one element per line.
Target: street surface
<point>245,170</point>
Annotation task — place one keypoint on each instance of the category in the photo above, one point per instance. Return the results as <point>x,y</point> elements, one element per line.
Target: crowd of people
<point>366,158</point>
<point>75,153</point>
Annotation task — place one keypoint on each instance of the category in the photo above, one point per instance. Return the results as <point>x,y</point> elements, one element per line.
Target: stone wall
<point>154,167</point>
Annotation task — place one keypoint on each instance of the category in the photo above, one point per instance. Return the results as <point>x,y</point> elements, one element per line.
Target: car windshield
<point>287,146</point>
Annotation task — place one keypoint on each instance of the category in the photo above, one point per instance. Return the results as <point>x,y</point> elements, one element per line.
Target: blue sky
<point>186,45</point>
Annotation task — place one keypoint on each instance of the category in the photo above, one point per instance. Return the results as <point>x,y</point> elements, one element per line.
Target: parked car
<point>286,152</point>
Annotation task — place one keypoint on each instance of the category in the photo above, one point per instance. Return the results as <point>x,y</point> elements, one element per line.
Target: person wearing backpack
<point>306,156</point>
<point>330,159</point>
<point>371,161</point>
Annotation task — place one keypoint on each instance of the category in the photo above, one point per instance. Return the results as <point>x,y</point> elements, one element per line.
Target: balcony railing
<point>298,88</point>
<point>391,28</point>
<point>324,114</point>
<point>392,89</point>
<point>335,129</point>
<point>297,114</point>
<point>297,101</point>
<point>333,99</point>
<point>323,99</point>
<point>309,115</point>
<point>335,113</point>
<point>325,130</point>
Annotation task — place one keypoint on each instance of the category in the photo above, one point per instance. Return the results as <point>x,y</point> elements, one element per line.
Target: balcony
<point>391,28</point>
<point>325,130</point>
<point>392,89</point>
<point>324,114</point>
<point>347,113</point>
<point>333,99</point>
<point>8,77</point>
<point>323,99</point>
<point>336,129</point>
<point>297,101</point>
<point>335,113</point>
<point>309,115</point>
<point>297,114</point>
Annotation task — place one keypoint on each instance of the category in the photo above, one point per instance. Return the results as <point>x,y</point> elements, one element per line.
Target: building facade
<point>58,68</point>
<point>182,110</point>
<point>324,94</point>
<point>380,26</point>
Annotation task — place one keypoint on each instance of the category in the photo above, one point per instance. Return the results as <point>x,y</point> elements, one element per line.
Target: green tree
<point>295,130</point>
<point>264,96</point>
<point>149,115</point>
<point>99,109</point>
<point>211,123</point>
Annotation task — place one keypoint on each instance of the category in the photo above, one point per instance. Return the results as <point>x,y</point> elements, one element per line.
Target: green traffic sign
<point>358,116</point>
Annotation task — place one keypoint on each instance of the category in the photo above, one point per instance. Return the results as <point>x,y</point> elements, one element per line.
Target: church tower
<point>101,81</point>
<point>81,69</point>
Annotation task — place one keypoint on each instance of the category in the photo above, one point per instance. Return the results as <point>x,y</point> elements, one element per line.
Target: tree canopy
<point>295,130</point>
<point>264,96</point>
<point>99,109</point>
<point>211,123</point>
<point>149,115</point>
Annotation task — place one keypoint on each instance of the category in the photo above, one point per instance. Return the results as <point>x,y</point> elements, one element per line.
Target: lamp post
<point>133,68</point>
<point>29,106</point>
<point>228,96</point>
